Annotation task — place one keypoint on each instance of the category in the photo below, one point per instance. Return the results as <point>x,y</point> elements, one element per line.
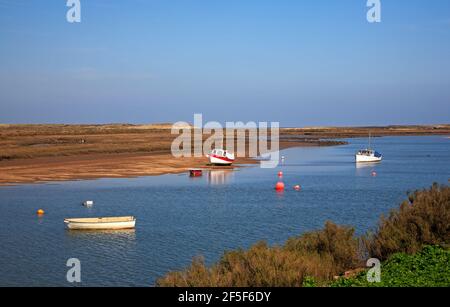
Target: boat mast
<point>369,139</point>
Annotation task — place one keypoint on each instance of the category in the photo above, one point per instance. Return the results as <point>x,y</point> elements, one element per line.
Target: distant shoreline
<point>46,153</point>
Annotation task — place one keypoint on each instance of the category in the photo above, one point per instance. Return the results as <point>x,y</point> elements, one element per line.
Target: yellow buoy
<point>40,212</point>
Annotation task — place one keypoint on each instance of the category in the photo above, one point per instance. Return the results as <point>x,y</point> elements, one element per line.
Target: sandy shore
<point>95,166</point>
<point>44,153</point>
<point>99,166</point>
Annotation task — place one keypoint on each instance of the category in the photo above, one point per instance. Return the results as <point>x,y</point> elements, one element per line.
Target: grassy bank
<point>429,267</point>
<point>317,257</point>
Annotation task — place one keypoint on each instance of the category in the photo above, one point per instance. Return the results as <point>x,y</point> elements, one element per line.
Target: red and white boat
<point>220,157</point>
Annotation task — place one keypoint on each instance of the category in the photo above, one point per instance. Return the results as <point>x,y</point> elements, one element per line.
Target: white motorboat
<point>368,155</point>
<point>221,157</point>
<point>101,223</point>
<point>88,203</point>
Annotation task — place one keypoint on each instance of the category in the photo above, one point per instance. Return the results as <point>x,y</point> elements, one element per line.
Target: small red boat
<point>195,172</point>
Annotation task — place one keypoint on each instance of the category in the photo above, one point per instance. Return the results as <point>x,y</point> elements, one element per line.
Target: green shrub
<point>427,268</point>
<point>424,219</point>
<point>309,282</point>
<point>260,266</point>
<point>335,243</point>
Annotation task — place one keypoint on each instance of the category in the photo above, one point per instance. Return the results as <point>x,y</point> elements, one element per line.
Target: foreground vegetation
<point>316,258</point>
<point>428,268</point>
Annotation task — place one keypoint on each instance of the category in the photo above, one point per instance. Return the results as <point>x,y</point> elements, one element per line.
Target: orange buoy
<point>279,186</point>
<point>40,212</point>
<point>297,187</point>
<point>280,174</point>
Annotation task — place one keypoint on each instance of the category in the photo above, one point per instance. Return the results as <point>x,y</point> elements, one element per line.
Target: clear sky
<point>301,63</point>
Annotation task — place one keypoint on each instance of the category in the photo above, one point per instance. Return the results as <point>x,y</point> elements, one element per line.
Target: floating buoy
<point>374,174</point>
<point>279,186</point>
<point>297,187</point>
<point>40,212</point>
<point>280,174</point>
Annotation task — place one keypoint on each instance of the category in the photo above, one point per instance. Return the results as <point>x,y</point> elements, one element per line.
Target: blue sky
<point>301,63</point>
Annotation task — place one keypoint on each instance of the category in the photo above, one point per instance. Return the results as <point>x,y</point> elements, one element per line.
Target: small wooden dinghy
<point>101,223</point>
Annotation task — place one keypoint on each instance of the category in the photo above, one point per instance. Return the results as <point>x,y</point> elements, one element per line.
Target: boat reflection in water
<point>104,251</point>
<point>117,234</point>
<point>364,165</point>
<point>217,177</point>
<point>365,169</point>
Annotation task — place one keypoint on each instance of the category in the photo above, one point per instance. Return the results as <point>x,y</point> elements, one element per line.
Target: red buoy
<point>280,174</point>
<point>297,187</point>
<point>374,174</point>
<point>279,186</point>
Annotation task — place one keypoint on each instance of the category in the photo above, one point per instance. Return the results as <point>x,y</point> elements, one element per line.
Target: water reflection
<point>218,177</point>
<point>366,169</point>
<point>119,234</point>
<point>361,165</point>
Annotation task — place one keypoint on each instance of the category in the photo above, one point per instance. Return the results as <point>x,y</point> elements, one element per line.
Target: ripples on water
<point>180,217</point>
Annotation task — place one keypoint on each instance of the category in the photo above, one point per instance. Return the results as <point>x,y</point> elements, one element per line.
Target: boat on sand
<point>221,157</point>
<point>101,223</point>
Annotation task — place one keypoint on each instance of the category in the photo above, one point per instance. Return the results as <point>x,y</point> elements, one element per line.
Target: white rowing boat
<point>101,223</point>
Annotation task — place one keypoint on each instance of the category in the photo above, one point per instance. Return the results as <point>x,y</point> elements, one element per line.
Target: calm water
<point>179,217</point>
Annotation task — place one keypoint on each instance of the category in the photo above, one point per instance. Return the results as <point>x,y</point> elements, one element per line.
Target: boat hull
<point>101,223</point>
<point>195,173</point>
<point>366,159</point>
<point>220,160</point>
